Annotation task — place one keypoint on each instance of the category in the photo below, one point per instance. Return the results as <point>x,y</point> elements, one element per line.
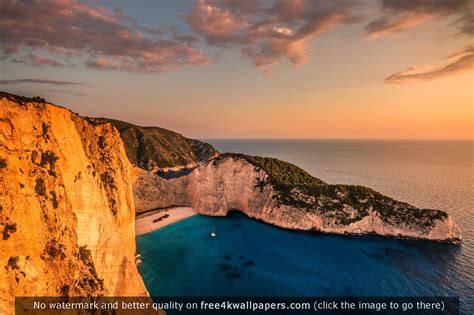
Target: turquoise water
<point>256,259</point>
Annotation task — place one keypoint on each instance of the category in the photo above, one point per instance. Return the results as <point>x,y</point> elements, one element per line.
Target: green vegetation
<point>102,144</point>
<point>13,262</point>
<point>282,173</point>
<point>8,229</point>
<point>53,249</point>
<point>34,155</point>
<point>38,99</point>
<point>40,187</point>
<point>49,158</point>
<point>3,163</point>
<point>392,212</point>
<point>54,199</point>
<point>44,130</point>
<point>84,253</point>
<point>344,204</point>
<point>64,290</point>
<point>154,147</point>
<point>21,99</point>
<point>93,282</point>
<point>107,180</point>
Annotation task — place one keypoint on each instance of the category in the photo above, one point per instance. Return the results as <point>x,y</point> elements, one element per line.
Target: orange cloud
<point>267,33</point>
<point>458,62</point>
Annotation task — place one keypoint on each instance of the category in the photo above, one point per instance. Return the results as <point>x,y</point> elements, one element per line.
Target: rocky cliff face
<point>158,149</point>
<point>154,192</point>
<point>281,194</point>
<point>66,205</point>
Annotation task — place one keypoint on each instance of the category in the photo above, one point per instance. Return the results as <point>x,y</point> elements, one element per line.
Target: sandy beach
<point>144,223</point>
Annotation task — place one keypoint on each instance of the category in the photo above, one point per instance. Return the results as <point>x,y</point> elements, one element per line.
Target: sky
<point>370,69</point>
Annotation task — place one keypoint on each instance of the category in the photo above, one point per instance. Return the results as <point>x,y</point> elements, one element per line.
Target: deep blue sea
<point>250,258</point>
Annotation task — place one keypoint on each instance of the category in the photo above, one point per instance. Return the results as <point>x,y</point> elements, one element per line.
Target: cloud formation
<point>38,60</point>
<point>39,81</point>
<point>401,15</point>
<point>267,32</point>
<point>69,33</point>
<point>105,39</point>
<point>460,61</point>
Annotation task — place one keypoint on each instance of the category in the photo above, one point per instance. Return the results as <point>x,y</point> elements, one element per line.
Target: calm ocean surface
<point>252,258</point>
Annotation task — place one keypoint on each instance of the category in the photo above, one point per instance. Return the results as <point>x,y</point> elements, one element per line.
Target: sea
<point>250,258</point>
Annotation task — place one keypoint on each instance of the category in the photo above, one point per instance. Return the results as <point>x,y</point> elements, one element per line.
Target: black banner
<point>238,305</point>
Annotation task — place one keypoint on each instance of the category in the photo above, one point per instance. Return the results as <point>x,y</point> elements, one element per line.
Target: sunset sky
<point>390,69</point>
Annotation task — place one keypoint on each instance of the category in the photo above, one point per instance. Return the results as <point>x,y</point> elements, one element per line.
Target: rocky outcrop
<point>281,194</point>
<point>66,205</point>
<point>152,192</point>
<point>158,149</point>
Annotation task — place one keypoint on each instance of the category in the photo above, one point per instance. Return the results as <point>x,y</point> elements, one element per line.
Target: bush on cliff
<point>281,172</point>
<point>295,187</point>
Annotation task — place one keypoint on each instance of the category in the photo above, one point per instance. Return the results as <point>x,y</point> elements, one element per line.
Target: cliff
<point>284,195</point>
<point>66,205</point>
<point>158,149</point>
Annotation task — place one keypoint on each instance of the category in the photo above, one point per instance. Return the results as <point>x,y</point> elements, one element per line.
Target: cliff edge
<point>158,149</point>
<point>66,205</point>
<point>282,194</point>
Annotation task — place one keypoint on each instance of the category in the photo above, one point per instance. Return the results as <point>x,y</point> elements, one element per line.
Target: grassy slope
<point>155,146</point>
<point>329,200</point>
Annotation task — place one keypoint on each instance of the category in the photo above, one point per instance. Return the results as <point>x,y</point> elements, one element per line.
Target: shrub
<point>8,230</point>
<point>49,158</point>
<point>38,99</point>
<point>86,257</point>
<point>64,290</point>
<point>297,188</point>
<point>84,253</point>
<point>54,199</point>
<point>107,180</point>
<point>40,187</point>
<point>13,262</point>
<point>53,249</point>
<point>3,163</point>
<point>34,155</point>
<point>102,144</point>
<point>280,172</point>
<point>45,129</point>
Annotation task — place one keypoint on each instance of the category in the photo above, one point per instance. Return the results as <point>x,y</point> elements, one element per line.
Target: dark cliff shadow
<point>174,174</point>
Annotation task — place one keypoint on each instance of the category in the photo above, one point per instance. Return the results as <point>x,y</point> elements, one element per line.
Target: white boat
<point>138,259</point>
<point>213,234</point>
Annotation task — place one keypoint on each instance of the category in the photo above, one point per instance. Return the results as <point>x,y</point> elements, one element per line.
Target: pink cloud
<point>267,32</point>
<point>209,19</point>
<point>38,60</point>
<point>387,26</point>
<point>459,61</point>
<point>69,28</point>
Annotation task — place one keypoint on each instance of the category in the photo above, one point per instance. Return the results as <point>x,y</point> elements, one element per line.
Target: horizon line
<point>341,139</point>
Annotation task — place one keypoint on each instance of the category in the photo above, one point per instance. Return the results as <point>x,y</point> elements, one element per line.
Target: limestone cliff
<point>282,194</point>
<point>153,192</point>
<point>66,205</point>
